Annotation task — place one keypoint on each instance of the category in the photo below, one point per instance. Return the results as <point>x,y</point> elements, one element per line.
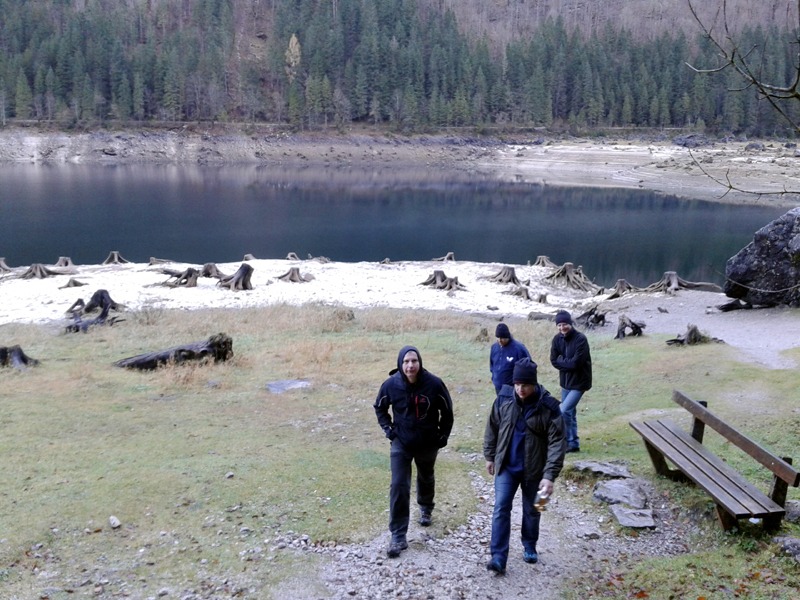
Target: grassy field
<point>207,470</point>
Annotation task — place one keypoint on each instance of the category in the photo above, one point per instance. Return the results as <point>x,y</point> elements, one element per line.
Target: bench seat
<point>736,497</point>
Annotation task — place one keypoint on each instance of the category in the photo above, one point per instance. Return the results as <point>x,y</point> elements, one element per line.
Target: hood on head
<point>403,351</point>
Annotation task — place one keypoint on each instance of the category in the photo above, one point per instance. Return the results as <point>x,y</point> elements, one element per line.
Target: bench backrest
<point>777,465</point>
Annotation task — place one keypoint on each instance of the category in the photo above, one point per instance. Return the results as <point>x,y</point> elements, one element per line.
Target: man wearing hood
<point>415,411</point>
<point>524,446</point>
<point>503,356</point>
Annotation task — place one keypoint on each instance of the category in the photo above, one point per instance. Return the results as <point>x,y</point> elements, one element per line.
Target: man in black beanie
<point>505,353</point>
<point>523,446</point>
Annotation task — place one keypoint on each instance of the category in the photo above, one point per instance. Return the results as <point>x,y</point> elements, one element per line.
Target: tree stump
<point>4,268</point>
<point>506,275</point>
<point>15,357</point>
<point>159,261</point>
<point>544,261</point>
<point>64,261</point>
<point>115,258</point>
<point>38,271</point>
<point>572,277</point>
<point>447,257</point>
<point>101,299</point>
<point>521,291</point>
<point>187,278</point>
<point>621,288</point>
<point>440,281</point>
<point>386,261</point>
<point>671,283</point>
<point>218,347</point>
<point>592,318</point>
<point>249,257</point>
<point>72,283</point>
<point>211,270</point>
<point>692,337</point>
<point>292,256</point>
<point>625,323</point>
<point>239,280</point>
<point>294,276</point>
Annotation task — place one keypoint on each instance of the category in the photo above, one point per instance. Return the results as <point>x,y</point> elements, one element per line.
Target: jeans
<point>505,488</point>
<point>569,405</point>
<point>400,489</point>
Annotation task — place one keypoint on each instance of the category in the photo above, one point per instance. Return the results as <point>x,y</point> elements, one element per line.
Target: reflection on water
<point>201,213</point>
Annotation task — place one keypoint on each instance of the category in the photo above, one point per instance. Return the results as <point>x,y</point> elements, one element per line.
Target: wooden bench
<point>735,497</point>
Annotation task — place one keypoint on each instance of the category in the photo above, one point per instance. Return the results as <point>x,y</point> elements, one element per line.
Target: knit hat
<point>502,331</point>
<point>525,371</point>
<point>563,316</point>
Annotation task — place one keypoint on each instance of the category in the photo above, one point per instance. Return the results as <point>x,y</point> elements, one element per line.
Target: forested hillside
<point>409,64</point>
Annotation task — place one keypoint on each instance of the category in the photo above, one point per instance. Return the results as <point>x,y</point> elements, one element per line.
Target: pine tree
<point>23,98</point>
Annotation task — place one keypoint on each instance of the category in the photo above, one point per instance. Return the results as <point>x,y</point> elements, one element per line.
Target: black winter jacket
<point>571,356</point>
<point>545,444</point>
<point>421,413</point>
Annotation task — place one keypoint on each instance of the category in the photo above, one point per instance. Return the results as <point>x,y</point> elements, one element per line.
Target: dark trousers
<point>400,490</point>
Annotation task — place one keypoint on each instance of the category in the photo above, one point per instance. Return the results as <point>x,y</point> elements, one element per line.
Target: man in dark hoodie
<point>505,351</point>
<point>419,424</point>
<point>523,446</point>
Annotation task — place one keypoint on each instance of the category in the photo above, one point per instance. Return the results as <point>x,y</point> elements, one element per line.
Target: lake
<point>219,213</point>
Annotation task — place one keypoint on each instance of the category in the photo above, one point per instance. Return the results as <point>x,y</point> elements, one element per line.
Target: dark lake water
<point>202,213</point>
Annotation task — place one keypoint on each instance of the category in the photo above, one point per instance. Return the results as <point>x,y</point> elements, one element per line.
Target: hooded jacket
<point>502,360</point>
<point>421,413</point>
<point>571,356</point>
<point>545,443</point>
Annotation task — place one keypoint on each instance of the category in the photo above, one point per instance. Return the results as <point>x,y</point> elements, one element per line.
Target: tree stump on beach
<point>544,261</point>
<point>239,280</point>
<point>319,259</point>
<point>115,258</point>
<point>38,271</point>
<point>64,261</point>
<point>72,283</point>
<point>447,257</point>
<point>671,283</point>
<point>4,268</point>
<point>211,270</point>
<point>521,291</point>
<point>625,323</point>
<point>386,261</point>
<point>217,348</point>
<point>691,337</point>
<point>249,257</point>
<point>158,261</point>
<point>440,281</point>
<point>100,299</point>
<point>292,256</point>
<point>187,278</point>
<point>621,288</point>
<point>591,318</point>
<point>506,275</point>
<point>14,356</point>
<point>293,275</point>
<point>571,276</point>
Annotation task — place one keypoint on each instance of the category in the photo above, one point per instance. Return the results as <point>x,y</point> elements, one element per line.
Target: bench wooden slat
<point>722,483</point>
<point>774,463</point>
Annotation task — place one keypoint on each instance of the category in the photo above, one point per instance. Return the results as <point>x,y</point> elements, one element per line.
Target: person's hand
<point>490,467</point>
<point>545,487</point>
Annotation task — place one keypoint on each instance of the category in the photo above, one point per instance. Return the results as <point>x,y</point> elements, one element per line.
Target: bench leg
<point>726,519</point>
<point>771,523</point>
<point>661,466</point>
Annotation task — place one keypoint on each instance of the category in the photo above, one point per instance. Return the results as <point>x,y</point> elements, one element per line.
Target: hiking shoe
<point>424,517</point>
<point>496,566</point>
<point>530,557</point>
<point>395,548</point>
<point>573,449</point>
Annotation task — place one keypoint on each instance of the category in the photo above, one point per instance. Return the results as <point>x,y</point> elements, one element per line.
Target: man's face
<point>411,366</point>
<point>564,328</point>
<point>524,389</point>
<point>502,341</point>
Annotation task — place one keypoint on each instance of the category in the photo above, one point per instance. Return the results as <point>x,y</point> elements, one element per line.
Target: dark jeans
<point>400,490</point>
<point>505,488</point>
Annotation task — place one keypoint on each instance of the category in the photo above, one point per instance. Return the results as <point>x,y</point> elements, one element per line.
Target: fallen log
<point>625,323</point>
<point>671,283</point>
<point>692,337</point>
<point>15,357</point>
<point>114,258</point>
<point>573,277</point>
<point>158,261</point>
<point>239,280</point>
<point>218,348</point>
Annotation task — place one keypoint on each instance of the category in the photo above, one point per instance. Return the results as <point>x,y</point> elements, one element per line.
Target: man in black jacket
<point>419,424</point>
<point>524,447</point>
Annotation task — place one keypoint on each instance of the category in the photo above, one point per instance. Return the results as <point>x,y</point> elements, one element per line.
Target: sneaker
<point>496,566</point>
<point>396,547</point>
<point>530,557</point>
<point>424,517</point>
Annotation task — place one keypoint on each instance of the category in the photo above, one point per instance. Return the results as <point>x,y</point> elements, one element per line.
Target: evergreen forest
<point>403,64</point>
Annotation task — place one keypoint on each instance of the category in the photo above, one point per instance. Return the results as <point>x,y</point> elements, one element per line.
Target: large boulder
<point>766,272</point>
